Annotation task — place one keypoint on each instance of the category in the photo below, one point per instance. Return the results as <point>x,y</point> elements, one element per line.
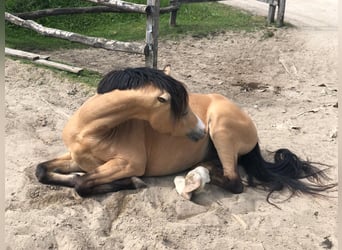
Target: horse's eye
<point>161,99</point>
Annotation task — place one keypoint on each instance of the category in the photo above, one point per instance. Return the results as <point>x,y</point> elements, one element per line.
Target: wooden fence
<point>151,9</point>
<point>273,4</point>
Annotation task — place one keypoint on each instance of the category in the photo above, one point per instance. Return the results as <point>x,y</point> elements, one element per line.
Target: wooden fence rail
<point>122,5</point>
<point>79,10</point>
<point>74,37</point>
<point>65,11</point>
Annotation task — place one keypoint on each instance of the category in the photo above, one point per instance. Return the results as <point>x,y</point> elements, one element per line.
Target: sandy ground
<point>286,82</point>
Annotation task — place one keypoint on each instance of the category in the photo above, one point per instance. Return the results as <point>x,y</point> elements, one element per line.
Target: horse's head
<point>171,113</point>
<point>166,121</point>
<point>164,100</point>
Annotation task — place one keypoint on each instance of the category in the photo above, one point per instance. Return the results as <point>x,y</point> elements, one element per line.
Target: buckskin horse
<point>143,122</point>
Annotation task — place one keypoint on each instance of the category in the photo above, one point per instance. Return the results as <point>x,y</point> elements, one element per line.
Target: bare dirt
<point>285,79</point>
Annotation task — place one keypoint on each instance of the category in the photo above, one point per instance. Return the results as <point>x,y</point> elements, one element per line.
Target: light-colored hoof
<point>194,181</point>
<point>197,178</point>
<point>179,182</point>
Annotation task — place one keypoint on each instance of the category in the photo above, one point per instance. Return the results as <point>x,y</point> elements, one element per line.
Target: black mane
<point>135,78</point>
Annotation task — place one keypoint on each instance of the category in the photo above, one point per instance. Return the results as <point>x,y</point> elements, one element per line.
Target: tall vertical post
<point>173,14</point>
<point>271,11</point>
<point>152,31</point>
<point>281,12</point>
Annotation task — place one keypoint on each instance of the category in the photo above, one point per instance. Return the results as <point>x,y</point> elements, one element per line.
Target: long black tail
<point>287,171</point>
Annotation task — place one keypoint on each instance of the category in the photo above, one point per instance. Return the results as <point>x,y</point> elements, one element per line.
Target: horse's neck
<point>111,109</point>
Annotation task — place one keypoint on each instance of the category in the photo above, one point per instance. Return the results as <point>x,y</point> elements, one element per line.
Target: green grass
<point>88,77</point>
<point>197,19</point>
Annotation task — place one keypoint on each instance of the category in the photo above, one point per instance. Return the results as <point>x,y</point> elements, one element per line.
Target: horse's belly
<point>167,168</point>
<point>174,158</point>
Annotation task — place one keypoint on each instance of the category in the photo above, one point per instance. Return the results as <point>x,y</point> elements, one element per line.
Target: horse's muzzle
<point>198,132</point>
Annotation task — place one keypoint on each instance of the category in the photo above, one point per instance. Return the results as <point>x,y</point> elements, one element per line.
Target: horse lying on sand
<point>143,122</point>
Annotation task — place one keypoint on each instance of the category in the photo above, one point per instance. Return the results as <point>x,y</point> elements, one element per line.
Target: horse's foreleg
<point>60,171</point>
<point>116,174</point>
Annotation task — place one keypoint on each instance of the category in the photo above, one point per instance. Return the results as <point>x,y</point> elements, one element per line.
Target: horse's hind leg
<point>60,171</point>
<point>228,156</point>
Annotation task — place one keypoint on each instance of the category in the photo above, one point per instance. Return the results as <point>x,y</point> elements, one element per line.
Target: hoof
<point>41,173</point>
<point>235,186</point>
<point>80,187</point>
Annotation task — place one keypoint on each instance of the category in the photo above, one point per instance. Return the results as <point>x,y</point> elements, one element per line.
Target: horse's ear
<point>163,98</point>
<point>167,69</point>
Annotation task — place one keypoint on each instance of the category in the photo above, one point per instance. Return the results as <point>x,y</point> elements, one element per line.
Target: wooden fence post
<point>173,14</point>
<point>152,30</point>
<point>281,12</point>
<point>271,12</point>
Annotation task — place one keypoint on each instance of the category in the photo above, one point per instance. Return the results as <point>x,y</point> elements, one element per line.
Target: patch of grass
<point>206,18</point>
<point>88,77</point>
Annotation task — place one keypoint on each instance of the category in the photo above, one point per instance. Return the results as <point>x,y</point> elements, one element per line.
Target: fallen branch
<point>57,65</point>
<point>41,59</point>
<point>132,47</point>
<point>24,54</point>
